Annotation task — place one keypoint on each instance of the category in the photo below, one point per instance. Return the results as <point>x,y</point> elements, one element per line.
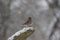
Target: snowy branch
<point>22,34</point>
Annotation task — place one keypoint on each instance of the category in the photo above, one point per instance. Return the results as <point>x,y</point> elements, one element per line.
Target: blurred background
<point>45,17</point>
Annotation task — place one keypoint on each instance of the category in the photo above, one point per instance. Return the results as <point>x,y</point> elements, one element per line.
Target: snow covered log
<point>22,34</point>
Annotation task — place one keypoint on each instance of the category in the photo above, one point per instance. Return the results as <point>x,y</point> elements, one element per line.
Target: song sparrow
<point>28,22</point>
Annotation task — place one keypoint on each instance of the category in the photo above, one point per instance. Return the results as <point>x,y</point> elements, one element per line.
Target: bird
<point>28,22</point>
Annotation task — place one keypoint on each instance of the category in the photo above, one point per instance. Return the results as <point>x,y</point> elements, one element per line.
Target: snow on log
<point>22,34</point>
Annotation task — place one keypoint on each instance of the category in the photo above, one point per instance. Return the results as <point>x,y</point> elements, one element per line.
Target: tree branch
<point>22,34</point>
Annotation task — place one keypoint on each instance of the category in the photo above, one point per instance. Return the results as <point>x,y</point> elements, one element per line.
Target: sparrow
<point>28,22</point>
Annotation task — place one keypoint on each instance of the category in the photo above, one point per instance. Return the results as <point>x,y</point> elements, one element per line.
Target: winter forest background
<point>45,16</point>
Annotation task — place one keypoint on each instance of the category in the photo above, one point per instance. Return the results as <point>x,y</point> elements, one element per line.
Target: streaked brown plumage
<point>28,22</point>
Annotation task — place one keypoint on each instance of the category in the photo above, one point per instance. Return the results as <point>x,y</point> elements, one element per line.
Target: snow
<point>19,32</point>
